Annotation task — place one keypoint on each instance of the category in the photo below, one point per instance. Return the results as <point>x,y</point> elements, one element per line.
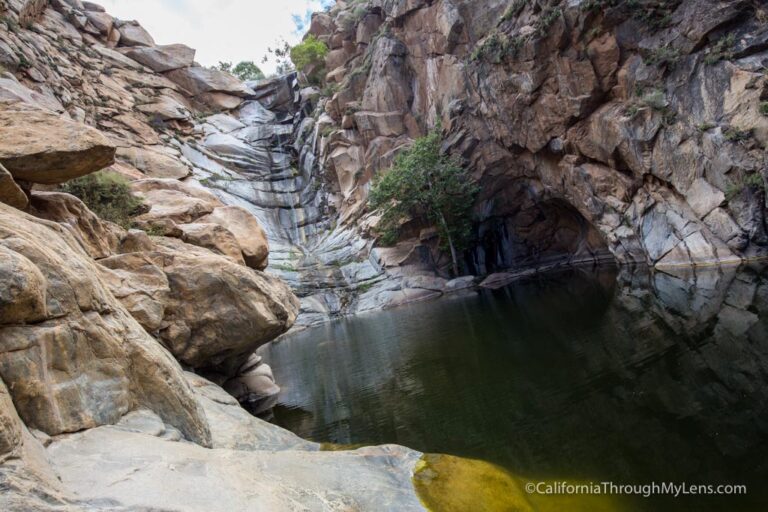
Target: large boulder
<point>133,34</point>
<point>173,200</point>
<point>163,58</point>
<point>140,285</point>
<point>41,147</point>
<point>72,357</point>
<point>99,20</point>
<point>214,237</point>
<point>211,312</point>
<point>200,80</point>
<point>154,164</point>
<point>246,230</point>
<point>219,312</point>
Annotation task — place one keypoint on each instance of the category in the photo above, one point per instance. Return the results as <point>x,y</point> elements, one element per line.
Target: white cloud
<point>220,30</point>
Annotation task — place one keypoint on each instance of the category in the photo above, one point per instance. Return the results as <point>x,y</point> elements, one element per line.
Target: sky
<point>221,30</point>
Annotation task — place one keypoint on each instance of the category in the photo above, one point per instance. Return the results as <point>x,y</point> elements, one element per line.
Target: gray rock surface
<point>233,480</point>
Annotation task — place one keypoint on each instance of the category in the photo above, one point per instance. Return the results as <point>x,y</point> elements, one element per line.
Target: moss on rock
<point>453,484</point>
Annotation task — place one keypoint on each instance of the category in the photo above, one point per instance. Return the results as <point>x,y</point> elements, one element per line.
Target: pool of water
<point>596,375</point>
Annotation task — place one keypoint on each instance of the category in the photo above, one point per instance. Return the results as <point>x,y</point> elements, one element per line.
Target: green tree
<point>245,70</point>
<point>425,184</point>
<point>309,56</point>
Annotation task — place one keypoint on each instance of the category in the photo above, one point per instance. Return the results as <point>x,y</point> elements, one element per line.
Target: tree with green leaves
<point>425,184</point>
<point>309,56</point>
<point>245,70</point>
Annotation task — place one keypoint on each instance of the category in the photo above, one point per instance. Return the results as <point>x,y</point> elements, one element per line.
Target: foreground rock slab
<point>137,471</point>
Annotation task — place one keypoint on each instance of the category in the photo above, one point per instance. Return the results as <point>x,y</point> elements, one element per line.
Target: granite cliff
<point>634,131</point>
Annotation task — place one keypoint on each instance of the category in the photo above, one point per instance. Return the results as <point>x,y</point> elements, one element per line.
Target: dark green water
<point>589,375</point>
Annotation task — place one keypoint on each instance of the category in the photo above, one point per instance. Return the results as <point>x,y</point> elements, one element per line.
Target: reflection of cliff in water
<point>670,383</point>
<point>629,377</point>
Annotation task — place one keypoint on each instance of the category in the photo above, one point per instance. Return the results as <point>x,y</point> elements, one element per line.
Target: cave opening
<point>525,231</point>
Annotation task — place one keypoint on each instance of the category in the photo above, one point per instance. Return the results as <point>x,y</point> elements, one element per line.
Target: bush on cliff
<point>309,57</point>
<point>106,194</point>
<point>423,183</point>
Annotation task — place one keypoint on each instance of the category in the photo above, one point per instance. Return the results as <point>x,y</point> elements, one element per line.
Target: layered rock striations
<point>607,130</point>
<point>598,130</point>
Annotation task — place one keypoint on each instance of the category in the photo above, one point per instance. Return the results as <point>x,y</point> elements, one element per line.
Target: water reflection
<point>621,375</point>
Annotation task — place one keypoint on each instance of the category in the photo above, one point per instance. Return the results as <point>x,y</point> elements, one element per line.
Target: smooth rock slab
<point>141,471</point>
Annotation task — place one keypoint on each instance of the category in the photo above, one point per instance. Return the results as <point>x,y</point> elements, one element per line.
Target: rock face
<point>10,193</point>
<point>43,148</point>
<point>10,425</point>
<point>71,355</point>
<point>595,131</point>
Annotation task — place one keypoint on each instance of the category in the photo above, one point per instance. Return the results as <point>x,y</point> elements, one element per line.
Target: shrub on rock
<point>309,57</point>
<point>106,194</point>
